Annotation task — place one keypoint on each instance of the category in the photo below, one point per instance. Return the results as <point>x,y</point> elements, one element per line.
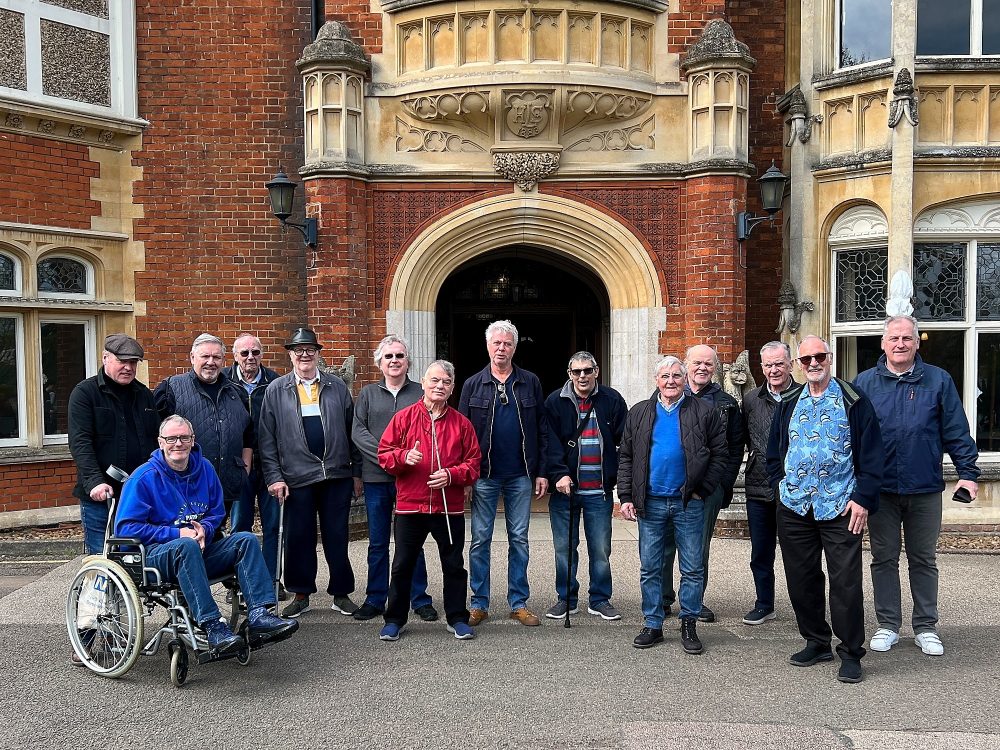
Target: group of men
<point>821,457</point>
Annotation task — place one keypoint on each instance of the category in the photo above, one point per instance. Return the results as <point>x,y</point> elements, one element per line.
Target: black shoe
<point>283,596</point>
<point>221,638</point>
<point>427,613</point>
<point>850,671</point>
<point>689,636</point>
<point>667,610</point>
<point>367,612</point>
<point>810,655</point>
<point>266,628</point>
<point>706,615</point>
<point>648,637</point>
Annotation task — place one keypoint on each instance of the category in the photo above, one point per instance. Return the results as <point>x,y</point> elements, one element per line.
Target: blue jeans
<point>517,511</point>
<point>94,519</point>
<point>712,505</point>
<point>270,518</point>
<point>596,511</point>
<point>380,499</point>
<point>183,562</point>
<point>661,517</point>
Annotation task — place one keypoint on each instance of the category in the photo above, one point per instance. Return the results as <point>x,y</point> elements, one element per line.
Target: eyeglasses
<point>304,351</point>
<point>820,358</point>
<point>249,352</point>
<point>502,390</point>
<point>174,439</point>
<point>581,371</point>
<point>394,355</point>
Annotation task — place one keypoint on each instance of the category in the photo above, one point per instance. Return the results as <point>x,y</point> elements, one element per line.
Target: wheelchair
<point>111,598</point>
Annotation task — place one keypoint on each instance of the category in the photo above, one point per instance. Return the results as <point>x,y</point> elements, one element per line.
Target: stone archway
<point>564,228</point>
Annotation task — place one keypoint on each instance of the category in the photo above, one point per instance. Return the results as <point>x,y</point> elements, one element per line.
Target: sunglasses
<point>248,352</point>
<point>502,390</point>
<point>394,355</point>
<point>820,358</point>
<point>581,371</point>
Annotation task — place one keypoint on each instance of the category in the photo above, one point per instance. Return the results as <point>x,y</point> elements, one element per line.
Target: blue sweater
<point>157,502</point>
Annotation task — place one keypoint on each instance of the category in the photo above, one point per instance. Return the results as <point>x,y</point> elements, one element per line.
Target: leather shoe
<point>810,655</point>
<point>477,616</point>
<point>706,615</point>
<point>525,616</point>
<point>75,660</point>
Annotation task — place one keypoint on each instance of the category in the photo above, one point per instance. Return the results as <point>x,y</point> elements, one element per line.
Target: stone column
<point>902,120</point>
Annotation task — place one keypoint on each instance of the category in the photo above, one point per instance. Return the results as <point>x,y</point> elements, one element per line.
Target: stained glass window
<point>939,281</point>
<point>62,276</point>
<point>861,284</point>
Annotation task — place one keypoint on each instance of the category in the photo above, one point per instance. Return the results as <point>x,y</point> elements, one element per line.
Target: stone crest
<point>527,113</point>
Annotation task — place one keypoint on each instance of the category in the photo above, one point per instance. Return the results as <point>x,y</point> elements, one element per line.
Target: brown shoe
<point>477,616</point>
<point>525,616</point>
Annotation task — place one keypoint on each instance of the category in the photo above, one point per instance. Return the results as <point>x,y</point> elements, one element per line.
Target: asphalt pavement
<point>336,685</point>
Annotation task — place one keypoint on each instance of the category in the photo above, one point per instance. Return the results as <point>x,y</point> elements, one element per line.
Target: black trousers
<point>802,540</point>
<point>411,530</point>
<point>331,501</point>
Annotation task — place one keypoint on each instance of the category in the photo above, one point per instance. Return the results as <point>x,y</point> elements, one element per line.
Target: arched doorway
<point>558,307</point>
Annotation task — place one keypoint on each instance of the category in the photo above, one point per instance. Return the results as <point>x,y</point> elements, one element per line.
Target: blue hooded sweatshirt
<point>157,502</point>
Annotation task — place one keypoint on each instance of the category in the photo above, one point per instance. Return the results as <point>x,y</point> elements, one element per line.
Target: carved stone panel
<point>527,115</point>
<point>475,35</point>
<point>582,38</point>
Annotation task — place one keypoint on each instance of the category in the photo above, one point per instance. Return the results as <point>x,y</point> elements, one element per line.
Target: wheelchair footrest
<point>207,657</point>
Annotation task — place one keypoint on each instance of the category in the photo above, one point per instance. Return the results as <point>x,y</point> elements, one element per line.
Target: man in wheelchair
<point>173,505</point>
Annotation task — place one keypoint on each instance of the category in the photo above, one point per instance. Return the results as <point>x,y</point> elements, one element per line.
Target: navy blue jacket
<point>478,400</point>
<point>729,412</point>
<point>867,453</point>
<point>563,413</point>
<point>921,417</point>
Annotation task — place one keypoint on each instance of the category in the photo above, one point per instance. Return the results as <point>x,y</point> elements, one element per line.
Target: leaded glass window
<point>862,279</point>
<point>62,276</point>
<point>988,282</point>
<point>939,281</point>
<point>7,273</point>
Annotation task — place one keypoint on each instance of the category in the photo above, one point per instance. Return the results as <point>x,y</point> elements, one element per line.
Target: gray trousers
<point>918,517</point>
<point>713,504</point>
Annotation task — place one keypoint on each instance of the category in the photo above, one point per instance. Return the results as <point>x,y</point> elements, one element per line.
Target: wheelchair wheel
<point>178,664</point>
<point>104,617</point>
<point>243,656</point>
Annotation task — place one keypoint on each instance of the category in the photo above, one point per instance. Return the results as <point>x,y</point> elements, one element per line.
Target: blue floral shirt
<point>819,471</point>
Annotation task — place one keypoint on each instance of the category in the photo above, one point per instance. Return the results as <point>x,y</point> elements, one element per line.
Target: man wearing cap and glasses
<point>311,465</point>
<point>825,460</point>
<point>252,378</point>
<point>112,421</point>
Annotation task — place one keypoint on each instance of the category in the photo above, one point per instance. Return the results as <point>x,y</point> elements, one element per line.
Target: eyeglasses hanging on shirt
<point>502,390</point>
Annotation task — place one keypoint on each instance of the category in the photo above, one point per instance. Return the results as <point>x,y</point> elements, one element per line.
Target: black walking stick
<point>569,555</point>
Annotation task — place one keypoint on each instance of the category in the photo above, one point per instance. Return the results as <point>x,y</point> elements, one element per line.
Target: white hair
<point>207,338</point>
<point>175,418</point>
<point>239,338</point>
<point>777,345</point>
<point>503,326</point>
<point>670,361</point>
<point>445,365</point>
<point>896,318</point>
<point>390,339</point>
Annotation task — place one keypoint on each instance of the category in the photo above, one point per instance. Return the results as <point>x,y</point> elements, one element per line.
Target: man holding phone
<point>921,416</point>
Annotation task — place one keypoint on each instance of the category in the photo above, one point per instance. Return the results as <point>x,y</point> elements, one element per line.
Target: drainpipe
<point>318,16</point>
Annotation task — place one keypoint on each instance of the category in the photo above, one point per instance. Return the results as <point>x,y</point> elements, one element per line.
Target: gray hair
<point>715,354</point>
<point>445,365</point>
<point>175,418</point>
<point>390,339</point>
<point>818,338</point>
<point>503,326</point>
<point>777,345</point>
<point>207,338</point>
<point>582,357</point>
<point>240,337</point>
<point>896,318</point>
<point>668,362</point>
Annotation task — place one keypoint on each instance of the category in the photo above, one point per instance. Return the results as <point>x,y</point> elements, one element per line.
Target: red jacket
<point>459,455</point>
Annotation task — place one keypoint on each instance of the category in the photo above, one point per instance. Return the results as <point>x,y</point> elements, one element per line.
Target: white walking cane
<point>437,454</point>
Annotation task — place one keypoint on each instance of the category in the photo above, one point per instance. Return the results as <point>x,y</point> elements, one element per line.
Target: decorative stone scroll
<point>904,100</point>
<point>526,168</point>
<point>791,310</point>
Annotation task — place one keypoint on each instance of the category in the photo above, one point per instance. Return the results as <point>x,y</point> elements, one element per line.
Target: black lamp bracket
<point>745,223</point>
<point>309,230</point>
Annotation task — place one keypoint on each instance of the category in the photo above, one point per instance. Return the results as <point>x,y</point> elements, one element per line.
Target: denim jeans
<point>713,504</point>
<point>661,517</point>
<point>270,518</point>
<point>94,519</point>
<point>183,562</point>
<point>763,522</point>
<point>517,511</point>
<point>380,499</point>
<point>596,510</point>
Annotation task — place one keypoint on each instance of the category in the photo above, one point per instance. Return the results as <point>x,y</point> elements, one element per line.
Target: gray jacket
<point>284,453</point>
<point>372,412</point>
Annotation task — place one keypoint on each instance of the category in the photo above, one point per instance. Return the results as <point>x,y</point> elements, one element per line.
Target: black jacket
<point>562,410</point>
<point>253,400</point>
<point>732,423</point>
<point>758,411</point>
<point>867,453</point>
<point>98,433</point>
<point>702,436</point>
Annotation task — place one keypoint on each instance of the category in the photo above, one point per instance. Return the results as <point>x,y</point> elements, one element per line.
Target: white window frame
<point>90,358</point>
<point>89,268</point>
<point>119,27</point>
<point>838,11</point>
<point>22,397</point>
<point>975,35</point>
<point>17,291</point>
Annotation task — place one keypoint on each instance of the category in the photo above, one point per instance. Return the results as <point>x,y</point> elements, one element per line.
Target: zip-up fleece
<point>457,447</point>
<point>372,411</point>
<point>284,452</point>
<point>157,502</point>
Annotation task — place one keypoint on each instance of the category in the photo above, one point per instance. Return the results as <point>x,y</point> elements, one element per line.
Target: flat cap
<point>123,346</point>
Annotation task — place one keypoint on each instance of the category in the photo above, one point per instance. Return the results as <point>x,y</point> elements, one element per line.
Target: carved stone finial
<point>345,372</point>
<point>525,168</point>
<point>904,100</point>
<point>718,45</point>
<point>799,121</point>
<point>791,310</point>
<point>335,48</point>
<point>737,378</point>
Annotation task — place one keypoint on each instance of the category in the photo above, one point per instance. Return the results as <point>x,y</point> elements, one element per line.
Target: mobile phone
<point>962,496</point>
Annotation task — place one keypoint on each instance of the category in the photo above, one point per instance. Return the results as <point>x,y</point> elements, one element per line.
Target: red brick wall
<point>365,27</point>
<point>46,182</point>
<point>218,83</point>
<point>31,486</point>
<point>686,20</point>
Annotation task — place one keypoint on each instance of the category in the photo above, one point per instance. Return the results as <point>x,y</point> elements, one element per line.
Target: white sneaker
<point>884,639</point>
<point>930,643</point>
